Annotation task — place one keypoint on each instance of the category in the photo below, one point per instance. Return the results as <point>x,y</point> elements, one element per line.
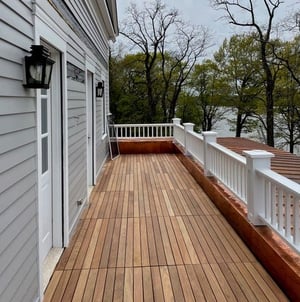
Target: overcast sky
<point>200,12</point>
<point>195,11</point>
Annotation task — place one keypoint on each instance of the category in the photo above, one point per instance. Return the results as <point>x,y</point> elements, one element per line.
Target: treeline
<point>162,78</point>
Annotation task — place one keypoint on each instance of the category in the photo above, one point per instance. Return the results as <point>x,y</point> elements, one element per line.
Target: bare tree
<point>170,46</point>
<point>244,13</point>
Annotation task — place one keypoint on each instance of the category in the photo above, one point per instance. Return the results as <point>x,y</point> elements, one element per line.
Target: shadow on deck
<point>151,233</point>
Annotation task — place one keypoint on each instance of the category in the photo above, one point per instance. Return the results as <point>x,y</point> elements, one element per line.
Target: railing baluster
<point>273,204</point>
<point>126,131</point>
<point>280,210</point>
<point>268,200</point>
<point>297,221</point>
<point>287,216</point>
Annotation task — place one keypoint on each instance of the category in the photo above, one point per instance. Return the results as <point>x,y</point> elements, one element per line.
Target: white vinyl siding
<point>77,106</point>
<point>19,280</point>
<point>86,18</point>
<point>19,258</point>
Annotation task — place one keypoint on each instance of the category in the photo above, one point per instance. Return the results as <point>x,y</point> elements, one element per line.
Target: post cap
<point>258,154</point>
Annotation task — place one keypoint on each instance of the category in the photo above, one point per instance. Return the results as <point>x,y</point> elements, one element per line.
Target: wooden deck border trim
<point>282,263</point>
<point>151,145</point>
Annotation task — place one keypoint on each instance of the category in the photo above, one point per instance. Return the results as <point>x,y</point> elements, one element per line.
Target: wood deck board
<point>109,285</point>
<point>151,234</point>
<point>119,284</point>
<point>148,284</point>
<point>138,284</point>
<point>157,284</point>
<point>176,285</point>
<point>234,285</point>
<point>100,284</point>
<point>81,285</point>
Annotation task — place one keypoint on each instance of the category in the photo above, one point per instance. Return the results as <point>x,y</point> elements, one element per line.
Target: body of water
<point>223,128</point>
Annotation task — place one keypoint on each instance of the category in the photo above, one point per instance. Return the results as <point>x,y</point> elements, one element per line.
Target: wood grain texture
<point>151,234</point>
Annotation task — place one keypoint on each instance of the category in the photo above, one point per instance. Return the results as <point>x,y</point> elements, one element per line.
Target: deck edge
<point>282,263</point>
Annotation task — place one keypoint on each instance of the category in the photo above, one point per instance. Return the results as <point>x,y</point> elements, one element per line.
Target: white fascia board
<point>108,22</point>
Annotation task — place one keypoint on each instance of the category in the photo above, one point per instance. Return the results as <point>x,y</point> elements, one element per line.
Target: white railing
<point>229,168</point>
<point>129,131</point>
<point>195,145</point>
<point>271,199</point>
<point>178,132</point>
<point>282,205</point>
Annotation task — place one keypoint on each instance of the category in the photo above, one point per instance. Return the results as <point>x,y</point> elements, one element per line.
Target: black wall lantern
<point>38,68</point>
<point>100,89</point>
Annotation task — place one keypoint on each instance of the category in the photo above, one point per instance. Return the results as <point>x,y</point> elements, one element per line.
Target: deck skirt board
<point>151,234</point>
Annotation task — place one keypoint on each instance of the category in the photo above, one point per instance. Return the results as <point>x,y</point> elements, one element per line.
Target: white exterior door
<point>52,147</point>
<point>50,162</point>
<point>45,204</point>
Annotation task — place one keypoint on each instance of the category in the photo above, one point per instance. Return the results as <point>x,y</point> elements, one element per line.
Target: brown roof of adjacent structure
<point>284,163</point>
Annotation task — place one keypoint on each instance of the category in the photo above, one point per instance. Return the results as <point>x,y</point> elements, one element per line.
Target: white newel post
<point>187,127</point>
<point>209,137</point>
<point>256,159</point>
<point>176,122</point>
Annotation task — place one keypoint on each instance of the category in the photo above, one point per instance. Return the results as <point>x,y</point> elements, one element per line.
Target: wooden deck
<point>151,234</point>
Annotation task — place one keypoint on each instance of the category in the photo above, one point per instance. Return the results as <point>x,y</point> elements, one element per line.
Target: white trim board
<point>54,37</point>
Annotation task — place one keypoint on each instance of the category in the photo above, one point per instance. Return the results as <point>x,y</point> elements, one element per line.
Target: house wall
<point>85,12</point>
<point>80,52</point>
<point>19,280</point>
<point>19,231</point>
<point>95,28</point>
<point>77,54</point>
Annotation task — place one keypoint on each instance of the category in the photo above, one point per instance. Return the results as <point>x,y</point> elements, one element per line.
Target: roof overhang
<point>108,10</point>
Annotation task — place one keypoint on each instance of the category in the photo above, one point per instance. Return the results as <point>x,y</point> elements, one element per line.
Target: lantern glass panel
<point>36,72</point>
<point>48,71</point>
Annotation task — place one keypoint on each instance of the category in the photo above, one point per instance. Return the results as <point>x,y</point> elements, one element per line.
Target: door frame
<point>57,158</point>
<point>56,39</point>
<point>91,124</point>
